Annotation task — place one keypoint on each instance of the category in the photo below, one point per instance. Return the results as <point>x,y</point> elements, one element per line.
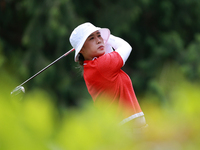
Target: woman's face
<point>93,46</point>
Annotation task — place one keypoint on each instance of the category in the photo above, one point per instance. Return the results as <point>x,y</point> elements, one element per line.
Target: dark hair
<point>80,59</point>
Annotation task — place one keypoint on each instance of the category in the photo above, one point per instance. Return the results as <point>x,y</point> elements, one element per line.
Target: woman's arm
<point>120,46</point>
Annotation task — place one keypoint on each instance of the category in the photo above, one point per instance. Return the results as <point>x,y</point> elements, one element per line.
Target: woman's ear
<point>81,51</point>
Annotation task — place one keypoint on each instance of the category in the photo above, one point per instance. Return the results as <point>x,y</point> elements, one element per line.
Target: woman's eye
<point>91,38</point>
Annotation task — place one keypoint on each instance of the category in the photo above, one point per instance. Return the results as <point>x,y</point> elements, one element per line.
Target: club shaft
<point>47,66</point>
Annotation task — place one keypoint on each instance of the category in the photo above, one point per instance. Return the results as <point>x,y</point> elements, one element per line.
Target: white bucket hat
<point>81,33</point>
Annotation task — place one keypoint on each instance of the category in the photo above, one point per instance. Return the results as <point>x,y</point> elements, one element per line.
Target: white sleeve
<point>120,46</point>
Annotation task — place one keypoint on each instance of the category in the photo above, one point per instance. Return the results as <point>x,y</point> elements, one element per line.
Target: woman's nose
<point>98,40</point>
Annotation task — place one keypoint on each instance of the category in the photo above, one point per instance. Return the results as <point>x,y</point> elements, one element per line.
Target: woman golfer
<point>102,56</point>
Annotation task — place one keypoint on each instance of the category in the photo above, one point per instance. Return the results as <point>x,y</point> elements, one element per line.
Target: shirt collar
<point>85,62</point>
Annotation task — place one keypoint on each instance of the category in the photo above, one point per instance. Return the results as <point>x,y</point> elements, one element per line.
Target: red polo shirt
<point>106,81</point>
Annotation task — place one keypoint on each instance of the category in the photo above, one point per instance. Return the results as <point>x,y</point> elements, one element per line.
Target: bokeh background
<point>164,67</point>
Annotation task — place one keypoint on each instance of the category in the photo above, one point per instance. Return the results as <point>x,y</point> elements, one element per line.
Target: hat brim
<point>105,34</point>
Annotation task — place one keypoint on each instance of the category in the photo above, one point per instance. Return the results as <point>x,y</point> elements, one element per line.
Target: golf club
<point>20,88</point>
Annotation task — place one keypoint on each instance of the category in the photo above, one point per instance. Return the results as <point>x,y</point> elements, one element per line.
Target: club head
<point>18,90</point>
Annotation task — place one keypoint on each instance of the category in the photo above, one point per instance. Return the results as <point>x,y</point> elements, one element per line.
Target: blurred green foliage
<point>35,33</point>
<point>34,121</point>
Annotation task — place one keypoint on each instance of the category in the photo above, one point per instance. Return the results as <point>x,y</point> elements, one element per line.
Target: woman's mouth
<point>101,47</point>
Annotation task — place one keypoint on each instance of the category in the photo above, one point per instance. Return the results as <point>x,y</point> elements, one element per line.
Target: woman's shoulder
<point>109,61</point>
<point>104,60</point>
<point>109,56</point>
<point>105,66</point>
